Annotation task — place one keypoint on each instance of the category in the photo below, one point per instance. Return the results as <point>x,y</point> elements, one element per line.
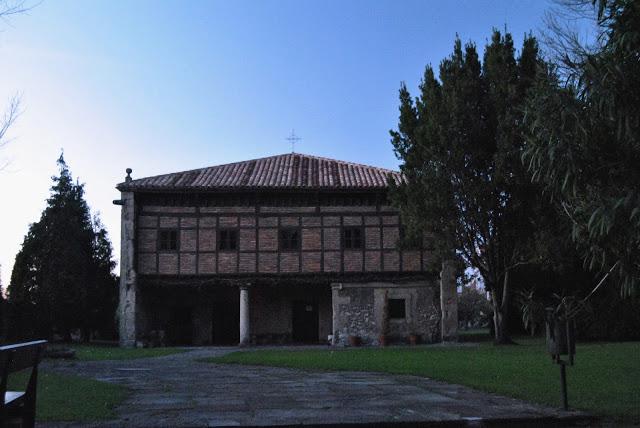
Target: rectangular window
<point>397,309</point>
<point>168,240</point>
<point>352,238</point>
<point>289,239</point>
<point>227,240</point>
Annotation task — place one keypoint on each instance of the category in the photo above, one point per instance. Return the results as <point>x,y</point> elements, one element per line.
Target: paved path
<point>176,390</point>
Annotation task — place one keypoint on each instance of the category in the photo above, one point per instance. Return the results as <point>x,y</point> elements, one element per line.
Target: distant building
<point>288,248</point>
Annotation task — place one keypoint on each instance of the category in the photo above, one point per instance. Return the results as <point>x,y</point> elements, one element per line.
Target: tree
<point>9,8</point>
<point>473,308</point>
<point>102,295</point>
<point>584,139</point>
<point>9,117</point>
<point>63,270</point>
<point>459,145</point>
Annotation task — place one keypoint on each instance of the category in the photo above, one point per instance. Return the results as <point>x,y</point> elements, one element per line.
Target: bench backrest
<point>15,358</point>
<point>20,356</point>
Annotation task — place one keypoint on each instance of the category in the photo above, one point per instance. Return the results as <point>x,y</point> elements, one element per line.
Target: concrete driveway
<point>177,390</point>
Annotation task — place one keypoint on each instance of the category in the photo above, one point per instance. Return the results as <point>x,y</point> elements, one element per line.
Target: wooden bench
<point>20,404</point>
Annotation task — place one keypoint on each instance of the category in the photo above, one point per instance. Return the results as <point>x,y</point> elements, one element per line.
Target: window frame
<point>281,241</point>
<point>350,229</point>
<point>220,241</point>
<point>161,241</point>
<point>396,302</point>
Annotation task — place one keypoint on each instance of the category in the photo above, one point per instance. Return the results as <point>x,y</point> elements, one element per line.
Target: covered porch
<point>251,313</point>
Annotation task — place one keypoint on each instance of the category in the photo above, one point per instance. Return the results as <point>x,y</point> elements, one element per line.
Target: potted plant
<point>384,325</point>
<point>354,340</point>
<point>413,339</point>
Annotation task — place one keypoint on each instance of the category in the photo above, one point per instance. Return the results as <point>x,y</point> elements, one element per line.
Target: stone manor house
<point>284,249</point>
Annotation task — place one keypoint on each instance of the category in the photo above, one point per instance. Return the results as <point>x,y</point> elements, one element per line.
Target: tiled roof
<point>287,171</point>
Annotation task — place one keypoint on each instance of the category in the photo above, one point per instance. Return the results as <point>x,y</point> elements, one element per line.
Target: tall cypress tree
<point>102,294</point>
<point>62,261</point>
<point>459,145</point>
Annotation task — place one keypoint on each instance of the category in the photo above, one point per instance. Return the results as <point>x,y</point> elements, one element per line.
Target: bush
<point>474,310</point>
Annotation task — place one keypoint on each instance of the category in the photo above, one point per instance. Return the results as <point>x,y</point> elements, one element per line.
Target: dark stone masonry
<point>290,248</point>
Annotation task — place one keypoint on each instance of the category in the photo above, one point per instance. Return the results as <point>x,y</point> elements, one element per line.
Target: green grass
<point>71,398</point>
<point>475,335</point>
<point>98,353</point>
<point>604,381</point>
<point>74,398</point>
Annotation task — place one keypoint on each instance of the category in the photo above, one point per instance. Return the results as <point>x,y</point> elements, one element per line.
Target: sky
<point>165,86</point>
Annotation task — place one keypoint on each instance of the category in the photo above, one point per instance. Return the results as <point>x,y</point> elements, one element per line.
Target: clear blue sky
<point>163,86</point>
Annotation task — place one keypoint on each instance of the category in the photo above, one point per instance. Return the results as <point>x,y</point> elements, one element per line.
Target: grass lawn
<point>74,398</point>
<point>604,381</point>
<point>71,398</point>
<point>96,353</point>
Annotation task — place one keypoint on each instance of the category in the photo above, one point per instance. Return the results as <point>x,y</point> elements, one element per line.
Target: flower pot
<point>384,341</point>
<point>354,340</point>
<point>414,339</point>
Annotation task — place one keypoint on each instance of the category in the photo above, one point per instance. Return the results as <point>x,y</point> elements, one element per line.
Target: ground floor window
<point>397,309</point>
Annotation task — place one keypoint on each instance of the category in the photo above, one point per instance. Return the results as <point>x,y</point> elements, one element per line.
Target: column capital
<point>245,286</point>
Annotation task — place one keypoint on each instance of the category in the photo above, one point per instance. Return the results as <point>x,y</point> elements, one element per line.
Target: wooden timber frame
<point>253,210</point>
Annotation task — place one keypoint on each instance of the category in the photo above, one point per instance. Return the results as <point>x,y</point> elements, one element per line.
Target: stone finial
<point>128,177</point>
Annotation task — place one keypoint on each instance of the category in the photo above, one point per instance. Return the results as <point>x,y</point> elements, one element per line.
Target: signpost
<point>561,342</point>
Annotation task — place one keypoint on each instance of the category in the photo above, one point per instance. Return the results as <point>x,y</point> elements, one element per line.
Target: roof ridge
<point>201,169</point>
<point>287,170</point>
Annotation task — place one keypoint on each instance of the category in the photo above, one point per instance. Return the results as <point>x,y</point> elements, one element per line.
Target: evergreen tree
<point>102,295</point>
<point>459,145</point>
<point>63,270</point>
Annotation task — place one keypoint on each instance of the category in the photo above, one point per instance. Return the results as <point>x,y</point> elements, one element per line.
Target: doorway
<point>226,322</point>
<point>305,321</point>
<point>180,329</point>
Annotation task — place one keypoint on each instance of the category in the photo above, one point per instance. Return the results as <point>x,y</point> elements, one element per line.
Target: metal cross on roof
<point>293,139</point>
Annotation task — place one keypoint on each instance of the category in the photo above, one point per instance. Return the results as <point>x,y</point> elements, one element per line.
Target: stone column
<point>245,326</point>
<point>128,284</point>
<point>449,302</point>
<point>335,290</point>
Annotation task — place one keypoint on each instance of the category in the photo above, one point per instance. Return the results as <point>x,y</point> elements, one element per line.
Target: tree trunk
<point>501,336</point>
<point>500,313</point>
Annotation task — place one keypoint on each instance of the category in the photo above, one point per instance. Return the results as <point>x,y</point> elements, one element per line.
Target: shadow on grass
<point>71,398</point>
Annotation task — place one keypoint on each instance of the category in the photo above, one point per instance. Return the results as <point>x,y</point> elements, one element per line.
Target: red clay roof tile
<point>287,171</point>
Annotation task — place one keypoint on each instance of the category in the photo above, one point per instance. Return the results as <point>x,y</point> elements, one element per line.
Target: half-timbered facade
<point>289,248</point>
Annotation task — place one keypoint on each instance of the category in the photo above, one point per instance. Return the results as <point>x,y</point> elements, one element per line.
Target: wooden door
<point>305,321</point>
<point>226,323</point>
<point>180,331</point>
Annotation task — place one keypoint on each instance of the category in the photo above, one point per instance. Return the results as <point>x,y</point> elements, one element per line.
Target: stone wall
<point>320,231</point>
<point>358,311</point>
<point>271,311</point>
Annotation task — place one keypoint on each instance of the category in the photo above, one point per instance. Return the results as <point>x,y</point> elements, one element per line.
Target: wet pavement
<point>178,390</point>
